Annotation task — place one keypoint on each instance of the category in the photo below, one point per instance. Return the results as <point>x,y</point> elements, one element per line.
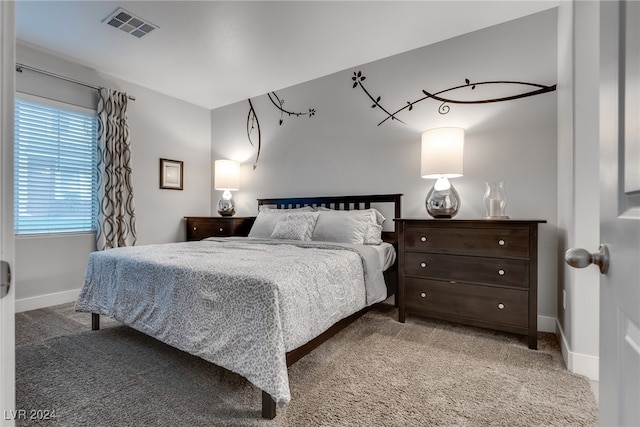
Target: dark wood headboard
<point>345,203</point>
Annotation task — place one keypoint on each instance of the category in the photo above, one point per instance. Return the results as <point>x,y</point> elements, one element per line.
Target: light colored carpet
<point>377,372</point>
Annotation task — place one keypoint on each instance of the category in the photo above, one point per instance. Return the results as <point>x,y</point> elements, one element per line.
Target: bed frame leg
<point>95,322</point>
<point>268,406</point>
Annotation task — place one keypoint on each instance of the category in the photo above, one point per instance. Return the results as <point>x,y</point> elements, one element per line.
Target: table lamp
<point>227,178</point>
<point>441,159</point>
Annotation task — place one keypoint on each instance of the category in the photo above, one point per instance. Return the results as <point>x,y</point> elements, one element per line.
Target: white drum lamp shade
<point>442,153</point>
<point>227,175</point>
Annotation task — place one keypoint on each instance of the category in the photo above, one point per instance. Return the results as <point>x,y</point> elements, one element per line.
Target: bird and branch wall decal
<point>358,78</point>
<point>253,124</point>
<point>254,133</point>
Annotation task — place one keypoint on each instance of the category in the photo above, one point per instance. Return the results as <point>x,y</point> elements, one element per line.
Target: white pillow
<point>379,218</point>
<point>308,218</point>
<point>342,226</point>
<point>291,230</point>
<point>372,234</point>
<point>266,220</point>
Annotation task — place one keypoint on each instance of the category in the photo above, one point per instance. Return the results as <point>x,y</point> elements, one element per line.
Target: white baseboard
<point>581,364</point>
<point>42,301</point>
<point>547,324</point>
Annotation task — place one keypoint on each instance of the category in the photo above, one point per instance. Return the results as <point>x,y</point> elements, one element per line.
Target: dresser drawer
<point>468,241</point>
<point>484,303</point>
<point>199,228</point>
<point>498,271</point>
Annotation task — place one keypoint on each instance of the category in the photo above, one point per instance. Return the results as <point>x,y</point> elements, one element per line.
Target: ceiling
<point>215,53</point>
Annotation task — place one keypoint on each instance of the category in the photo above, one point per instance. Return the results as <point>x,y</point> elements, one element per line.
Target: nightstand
<point>477,272</point>
<point>201,227</point>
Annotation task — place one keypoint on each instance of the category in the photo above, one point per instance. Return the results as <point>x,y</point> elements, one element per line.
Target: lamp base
<point>226,206</point>
<point>442,200</point>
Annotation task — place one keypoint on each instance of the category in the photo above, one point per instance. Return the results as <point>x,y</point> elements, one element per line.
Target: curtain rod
<point>20,67</point>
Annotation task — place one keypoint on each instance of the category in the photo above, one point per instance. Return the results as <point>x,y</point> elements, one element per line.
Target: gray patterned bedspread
<point>240,303</point>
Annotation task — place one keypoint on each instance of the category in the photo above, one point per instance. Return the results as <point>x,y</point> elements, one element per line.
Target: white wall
<point>578,183</point>
<point>50,269</point>
<point>341,150</point>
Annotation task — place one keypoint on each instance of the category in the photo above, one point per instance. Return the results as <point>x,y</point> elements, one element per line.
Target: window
<point>54,168</point>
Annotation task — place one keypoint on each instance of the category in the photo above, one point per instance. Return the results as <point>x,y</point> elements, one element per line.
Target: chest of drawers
<point>477,272</point>
<point>201,227</point>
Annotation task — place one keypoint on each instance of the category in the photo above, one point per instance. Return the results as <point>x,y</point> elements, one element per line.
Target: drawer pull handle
<point>423,239</point>
<point>195,228</point>
<point>501,242</point>
<point>501,306</point>
<point>423,295</point>
<point>501,272</point>
<point>423,264</point>
<point>221,229</point>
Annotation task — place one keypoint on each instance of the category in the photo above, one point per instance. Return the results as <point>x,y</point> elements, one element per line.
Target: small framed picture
<point>171,174</point>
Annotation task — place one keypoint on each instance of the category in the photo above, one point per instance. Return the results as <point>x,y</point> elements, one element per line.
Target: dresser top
<point>219,217</point>
<point>473,221</point>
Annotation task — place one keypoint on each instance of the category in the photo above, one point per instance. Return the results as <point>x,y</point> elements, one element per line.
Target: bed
<point>255,305</point>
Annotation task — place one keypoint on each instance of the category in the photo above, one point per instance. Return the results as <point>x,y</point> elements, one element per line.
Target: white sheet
<point>386,253</point>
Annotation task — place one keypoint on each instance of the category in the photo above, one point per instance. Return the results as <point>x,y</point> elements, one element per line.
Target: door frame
<point>7,304</point>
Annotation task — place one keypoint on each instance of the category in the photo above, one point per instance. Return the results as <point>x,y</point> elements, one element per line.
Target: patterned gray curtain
<point>116,215</point>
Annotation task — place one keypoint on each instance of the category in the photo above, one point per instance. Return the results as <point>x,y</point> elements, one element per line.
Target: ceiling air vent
<point>129,23</point>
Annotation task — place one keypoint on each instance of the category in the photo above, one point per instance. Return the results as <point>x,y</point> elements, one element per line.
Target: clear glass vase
<point>495,200</point>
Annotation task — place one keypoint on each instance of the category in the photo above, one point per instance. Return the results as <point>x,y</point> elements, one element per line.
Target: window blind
<point>54,169</point>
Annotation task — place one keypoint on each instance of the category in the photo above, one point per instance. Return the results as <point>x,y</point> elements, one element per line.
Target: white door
<point>620,213</point>
<point>7,310</point>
